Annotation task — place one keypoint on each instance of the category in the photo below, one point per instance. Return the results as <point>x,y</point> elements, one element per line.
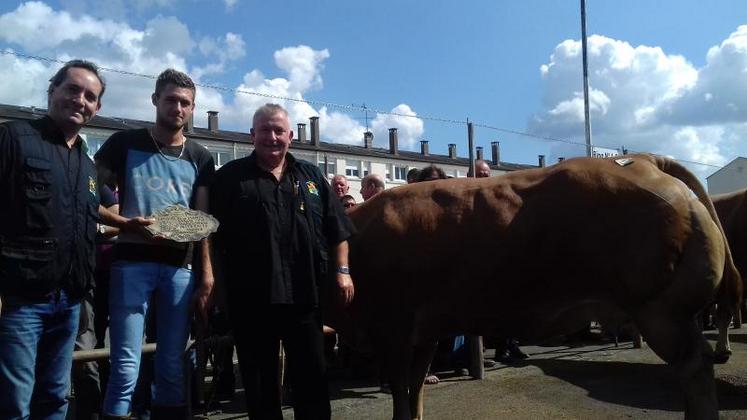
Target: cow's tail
<point>730,292</point>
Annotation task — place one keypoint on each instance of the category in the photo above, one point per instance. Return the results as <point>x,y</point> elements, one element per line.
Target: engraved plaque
<point>182,224</point>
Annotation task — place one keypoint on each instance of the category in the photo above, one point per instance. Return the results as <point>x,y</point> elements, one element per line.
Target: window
<point>331,166</point>
<point>220,158</point>
<point>352,168</point>
<point>400,173</point>
<point>366,168</point>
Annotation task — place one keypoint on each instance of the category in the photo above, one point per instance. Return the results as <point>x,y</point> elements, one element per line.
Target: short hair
<point>268,110</point>
<point>347,197</point>
<point>373,179</point>
<point>428,171</point>
<point>413,173</point>
<point>339,176</point>
<point>176,78</point>
<point>61,74</point>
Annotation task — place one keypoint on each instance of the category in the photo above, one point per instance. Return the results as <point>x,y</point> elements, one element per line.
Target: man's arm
<point>202,297</point>
<point>344,281</point>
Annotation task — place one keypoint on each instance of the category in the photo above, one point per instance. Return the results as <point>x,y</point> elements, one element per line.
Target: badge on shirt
<point>311,186</point>
<point>92,186</point>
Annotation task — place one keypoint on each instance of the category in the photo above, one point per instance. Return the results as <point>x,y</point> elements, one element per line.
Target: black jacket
<point>48,213</point>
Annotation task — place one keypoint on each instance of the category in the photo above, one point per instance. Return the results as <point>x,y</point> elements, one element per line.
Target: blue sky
<point>666,76</point>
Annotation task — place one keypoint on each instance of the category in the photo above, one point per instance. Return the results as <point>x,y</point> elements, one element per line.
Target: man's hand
<point>346,288</point>
<point>138,224</point>
<point>202,301</point>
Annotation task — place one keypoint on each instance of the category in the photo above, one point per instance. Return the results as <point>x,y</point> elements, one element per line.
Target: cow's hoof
<point>721,357</point>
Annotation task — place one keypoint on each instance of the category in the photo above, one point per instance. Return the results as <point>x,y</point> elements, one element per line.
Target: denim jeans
<point>131,286</point>
<point>36,354</point>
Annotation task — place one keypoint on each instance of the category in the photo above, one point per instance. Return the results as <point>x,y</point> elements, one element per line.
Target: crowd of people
<point>64,282</point>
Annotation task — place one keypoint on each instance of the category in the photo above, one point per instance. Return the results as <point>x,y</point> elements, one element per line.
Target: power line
<point>352,107</point>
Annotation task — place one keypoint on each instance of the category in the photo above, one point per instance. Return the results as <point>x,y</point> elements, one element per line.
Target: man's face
<point>340,186</point>
<point>272,136</point>
<point>348,203</point>
<point>174,106</point>
<point>76,100</point>
<point>369,190</point>
<point>482,170</point>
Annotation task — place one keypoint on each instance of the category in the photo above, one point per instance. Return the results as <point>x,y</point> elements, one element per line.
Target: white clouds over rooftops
<point>36,28</point>
<point>647,100</point>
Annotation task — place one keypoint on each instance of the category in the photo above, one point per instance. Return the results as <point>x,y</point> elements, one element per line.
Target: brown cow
<point>587,232</point>
<point>732,211</point>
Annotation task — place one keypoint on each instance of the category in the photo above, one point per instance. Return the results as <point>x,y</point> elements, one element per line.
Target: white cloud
<point>304,66</point>
<point>409,127</point>
<point>167,42</point>
<point>230,4</point>
<point>647,100</point>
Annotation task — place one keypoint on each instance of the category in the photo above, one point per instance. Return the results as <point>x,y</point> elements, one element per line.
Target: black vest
<point>47,219</point>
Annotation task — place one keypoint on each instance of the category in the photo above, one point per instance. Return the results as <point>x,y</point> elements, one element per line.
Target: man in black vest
<point>281,225</point>
<point>48,213</point>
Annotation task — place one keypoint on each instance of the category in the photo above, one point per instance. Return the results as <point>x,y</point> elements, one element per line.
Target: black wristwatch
<point>343,269</point>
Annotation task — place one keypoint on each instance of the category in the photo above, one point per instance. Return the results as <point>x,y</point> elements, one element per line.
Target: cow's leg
<point>682,345</point>
<point>422,357</point>
<point>723,319</point>
<point>393,346</point>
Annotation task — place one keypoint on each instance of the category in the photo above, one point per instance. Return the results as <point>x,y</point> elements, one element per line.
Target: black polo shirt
<point>276,234</point>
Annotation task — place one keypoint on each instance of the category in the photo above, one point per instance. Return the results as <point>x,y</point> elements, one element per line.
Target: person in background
<point>412,175</point>
<point>371,185</point>
<point>348,201</point>
<point>48,205</point>
<point>340,185</point>
<point>507,349</point>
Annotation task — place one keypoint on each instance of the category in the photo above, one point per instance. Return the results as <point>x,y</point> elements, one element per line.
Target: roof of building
<point>727,166</point>
<point>115,123</point>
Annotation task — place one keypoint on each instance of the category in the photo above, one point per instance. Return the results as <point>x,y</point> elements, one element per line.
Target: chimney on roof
<point>452,151</point>
<point>189,127</point>
<point>213,121</point>
<point>424,148</point>
<point>393,141</point>
<point>368,139</point>
<point>314,131</point>
<point>495,148</point>
<point>480,155</point>
<point>301,135</point>
<point>541,161</point>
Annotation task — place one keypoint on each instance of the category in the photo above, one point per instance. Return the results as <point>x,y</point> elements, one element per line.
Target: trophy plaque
<point>182,224</point>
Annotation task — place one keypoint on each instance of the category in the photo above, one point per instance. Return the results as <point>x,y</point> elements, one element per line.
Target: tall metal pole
<point>471,143</point>
<point>587,121</point>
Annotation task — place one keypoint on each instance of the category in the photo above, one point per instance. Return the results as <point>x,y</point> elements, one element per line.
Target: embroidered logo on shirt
<point>92,186</point>
<point>311,186</point>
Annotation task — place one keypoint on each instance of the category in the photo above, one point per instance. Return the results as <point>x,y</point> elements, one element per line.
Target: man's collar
<point>290,162</point>
<point>51,130</point>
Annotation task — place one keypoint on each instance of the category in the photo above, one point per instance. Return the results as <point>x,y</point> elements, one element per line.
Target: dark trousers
<point>86,375</point>
<point>258,333</point>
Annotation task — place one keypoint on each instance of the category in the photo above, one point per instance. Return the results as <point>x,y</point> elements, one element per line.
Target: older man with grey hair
<point>371,185</point>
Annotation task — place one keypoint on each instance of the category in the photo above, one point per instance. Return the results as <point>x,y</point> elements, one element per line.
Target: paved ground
<point>591,380</point>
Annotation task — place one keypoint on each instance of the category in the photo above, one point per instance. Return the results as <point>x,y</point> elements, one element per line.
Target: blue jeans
<point>36,354</point>
<point>131,286</point>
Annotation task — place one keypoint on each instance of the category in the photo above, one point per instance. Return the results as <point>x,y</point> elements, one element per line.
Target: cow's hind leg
<point>723,319</point>
<point>681,344</point>
<point>422,357</point>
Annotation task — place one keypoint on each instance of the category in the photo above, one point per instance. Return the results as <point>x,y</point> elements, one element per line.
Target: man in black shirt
<point>48,208</point>
<point>279,223</point>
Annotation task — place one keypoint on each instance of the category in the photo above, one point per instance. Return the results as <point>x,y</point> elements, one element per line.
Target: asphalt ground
<point>589,379</point>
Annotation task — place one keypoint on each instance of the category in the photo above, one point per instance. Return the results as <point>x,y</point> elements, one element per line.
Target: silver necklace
<point>158,147</point>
